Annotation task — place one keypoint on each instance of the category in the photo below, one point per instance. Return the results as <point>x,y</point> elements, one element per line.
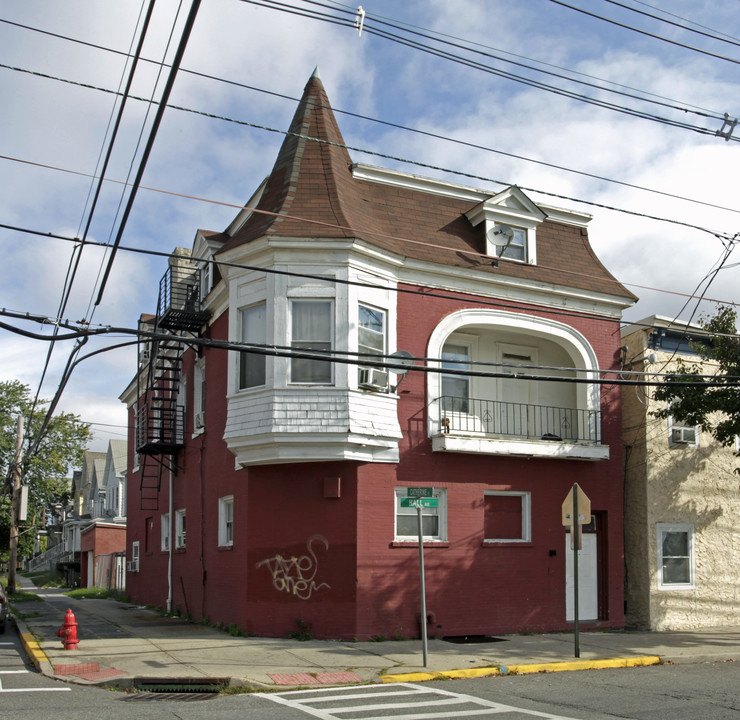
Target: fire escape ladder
<point>160,420</point>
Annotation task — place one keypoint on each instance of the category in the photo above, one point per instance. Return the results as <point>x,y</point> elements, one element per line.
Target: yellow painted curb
<point>525,668</point>
<point>33,650</point>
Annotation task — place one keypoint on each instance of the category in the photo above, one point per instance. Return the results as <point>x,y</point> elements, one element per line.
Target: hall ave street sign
<point>420,502</point>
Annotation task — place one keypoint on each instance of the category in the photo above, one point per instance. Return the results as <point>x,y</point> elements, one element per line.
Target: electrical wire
<point>368,28</point>
<point>648,34</point>
<point>397,126</point>
<point>380,360</point>
<point>711,36</point>
<point>342,281</point>
<point>189,22</point>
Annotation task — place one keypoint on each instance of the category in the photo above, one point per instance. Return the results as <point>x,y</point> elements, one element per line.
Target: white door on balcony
<point>514,415</point>
<point>588,590</point>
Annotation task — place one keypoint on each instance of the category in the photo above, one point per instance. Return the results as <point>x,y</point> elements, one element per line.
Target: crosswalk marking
<point>423,702</point>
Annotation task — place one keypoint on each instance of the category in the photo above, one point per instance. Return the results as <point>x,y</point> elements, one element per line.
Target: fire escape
<point>160,413</point>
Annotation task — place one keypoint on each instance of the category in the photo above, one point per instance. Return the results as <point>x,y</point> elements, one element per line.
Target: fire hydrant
<point>68,631</point>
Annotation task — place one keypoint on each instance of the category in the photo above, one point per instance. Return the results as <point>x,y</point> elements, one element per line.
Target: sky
<point>61,64</point>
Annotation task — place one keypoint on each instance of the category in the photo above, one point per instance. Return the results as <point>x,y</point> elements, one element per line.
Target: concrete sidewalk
<point>128,646</point>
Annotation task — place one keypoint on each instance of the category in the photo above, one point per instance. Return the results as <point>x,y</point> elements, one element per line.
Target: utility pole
<point>14,507</point>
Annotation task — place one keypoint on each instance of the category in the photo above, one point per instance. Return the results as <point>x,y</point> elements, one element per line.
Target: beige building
<point>682,500</point>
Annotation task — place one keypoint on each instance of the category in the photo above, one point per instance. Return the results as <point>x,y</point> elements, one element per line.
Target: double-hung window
<point>511,242</point>
<point>456,388</point>
<point>226,521</point>
<point>371,340</point>
<point>199,396</point>
<point>312,329</point>
<point>180,529</point>
<point>433,519</point>
<point>254,330</point>
<point>165,520</point>
<point>675,556</point>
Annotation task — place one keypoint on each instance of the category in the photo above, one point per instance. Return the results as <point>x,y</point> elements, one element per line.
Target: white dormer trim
<point>508,210</point>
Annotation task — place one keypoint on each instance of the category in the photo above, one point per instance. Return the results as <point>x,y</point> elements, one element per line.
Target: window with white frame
<point>675,556</point>
<point>510,242</point>
<point>433,520</point>
<point>206,279</point>
<point>682,434</point>
<point>199,396</point>
<point>312,329</point>
<point>180,529</point>
<point>165,525</point>
<point>456,388</point>
<point>134,564</point>
<point>226,521</point>
<point>506,516</point>
<point>371,340</point>
<point>253,330</point>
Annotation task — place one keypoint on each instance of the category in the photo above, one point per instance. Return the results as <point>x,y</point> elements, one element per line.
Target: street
<point>681,692</point>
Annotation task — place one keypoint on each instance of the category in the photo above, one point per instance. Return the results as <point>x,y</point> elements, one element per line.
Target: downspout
<point>170,548</point>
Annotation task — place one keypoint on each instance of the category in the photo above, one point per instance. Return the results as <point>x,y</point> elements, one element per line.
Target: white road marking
<point>399,696</point>
<point>52,689</point>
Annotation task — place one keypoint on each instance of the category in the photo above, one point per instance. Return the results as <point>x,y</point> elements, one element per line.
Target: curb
<point>31,647</point>
<point>525,669</point>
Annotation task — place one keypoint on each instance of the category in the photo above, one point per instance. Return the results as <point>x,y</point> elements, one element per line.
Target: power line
<point>189,22</point>
<point>340,281</point>
<point>648,34</point>
<point>711,36</point>
<point>347,357</point>
<point>368,28</point>
<point>707,113</point>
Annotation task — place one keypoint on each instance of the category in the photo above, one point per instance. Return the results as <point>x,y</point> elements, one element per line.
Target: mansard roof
<point>315,192</point>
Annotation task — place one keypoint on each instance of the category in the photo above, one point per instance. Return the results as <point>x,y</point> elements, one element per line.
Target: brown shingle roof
<point>312,181</point>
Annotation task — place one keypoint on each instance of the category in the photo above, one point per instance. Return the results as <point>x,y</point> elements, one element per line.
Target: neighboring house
<point>79,517</point>
<point>268,485</point>
<point>682,502</point>
<point>95,539</point>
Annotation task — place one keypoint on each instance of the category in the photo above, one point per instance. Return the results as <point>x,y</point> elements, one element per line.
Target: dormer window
<point>509,242</point>
<point>510,224</point>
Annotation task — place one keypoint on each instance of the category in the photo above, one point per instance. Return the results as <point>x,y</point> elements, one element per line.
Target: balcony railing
<point>179,305</point>
<point>160,428</point>
<point>493,418</point>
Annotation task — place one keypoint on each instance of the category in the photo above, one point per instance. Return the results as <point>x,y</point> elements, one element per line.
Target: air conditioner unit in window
<point>683,435</point>
<point>132,565</point>
<point>373,379</point>
<point>200,420</point>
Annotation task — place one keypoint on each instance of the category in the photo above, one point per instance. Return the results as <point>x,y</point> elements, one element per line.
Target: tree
<point>46,463</point>
<point>714,407</point>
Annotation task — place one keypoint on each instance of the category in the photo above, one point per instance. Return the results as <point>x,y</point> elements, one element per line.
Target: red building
<point>275,433</point>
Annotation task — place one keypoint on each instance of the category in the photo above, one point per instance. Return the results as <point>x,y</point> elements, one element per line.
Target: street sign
<point>420,492</point>
<point>419,502</point>
<point>584,507</point>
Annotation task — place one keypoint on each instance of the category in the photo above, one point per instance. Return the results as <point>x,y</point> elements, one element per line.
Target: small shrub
<point>304,631</point>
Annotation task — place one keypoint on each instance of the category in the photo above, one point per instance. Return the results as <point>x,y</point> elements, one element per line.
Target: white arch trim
<point>569,338</point>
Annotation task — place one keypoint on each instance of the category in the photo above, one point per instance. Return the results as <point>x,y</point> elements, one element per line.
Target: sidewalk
<point>127,646</point>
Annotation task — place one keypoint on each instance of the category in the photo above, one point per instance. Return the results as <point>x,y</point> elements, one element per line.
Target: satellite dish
<point>404,358</point>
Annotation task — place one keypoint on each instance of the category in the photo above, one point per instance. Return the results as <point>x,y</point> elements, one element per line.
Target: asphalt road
<point>709,691</point>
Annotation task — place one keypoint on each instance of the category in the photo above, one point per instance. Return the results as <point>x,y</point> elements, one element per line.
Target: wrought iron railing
<point>179,306</point>
<point>160,427</point>
<point>494,418</point>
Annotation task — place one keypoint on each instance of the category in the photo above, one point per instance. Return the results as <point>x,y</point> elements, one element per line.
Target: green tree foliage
<point>715,409</point>
<point>45,471</point>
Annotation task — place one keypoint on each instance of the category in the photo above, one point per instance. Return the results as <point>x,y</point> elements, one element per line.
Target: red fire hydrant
<point>68,631</point>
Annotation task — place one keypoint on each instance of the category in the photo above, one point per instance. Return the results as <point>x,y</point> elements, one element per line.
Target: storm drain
<point>472,639</point>
<point>181,685</point>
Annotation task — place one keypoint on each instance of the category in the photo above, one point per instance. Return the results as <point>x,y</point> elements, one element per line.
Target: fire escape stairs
<point>160,419</point>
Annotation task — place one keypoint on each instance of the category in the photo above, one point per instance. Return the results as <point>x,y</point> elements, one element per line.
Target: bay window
<point>253,330</point>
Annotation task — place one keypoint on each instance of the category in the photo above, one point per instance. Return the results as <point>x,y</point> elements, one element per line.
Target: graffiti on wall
<point>297,575</point>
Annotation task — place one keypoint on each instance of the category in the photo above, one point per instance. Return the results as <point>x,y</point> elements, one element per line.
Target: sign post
<point>421,497</point>
<point>576,512</point>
